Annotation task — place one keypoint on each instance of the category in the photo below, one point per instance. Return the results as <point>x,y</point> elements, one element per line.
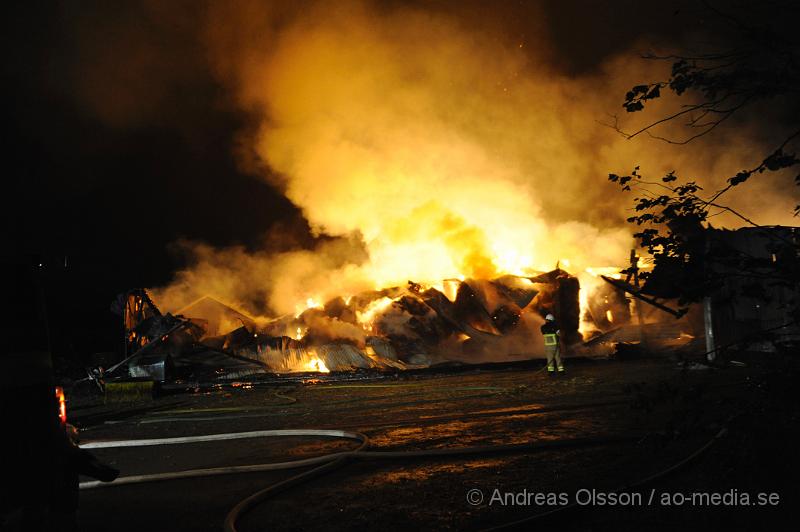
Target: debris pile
<point>413,326</point>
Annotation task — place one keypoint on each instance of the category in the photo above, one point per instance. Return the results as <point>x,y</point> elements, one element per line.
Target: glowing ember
<point>316,364</point>
<point>367,317</point>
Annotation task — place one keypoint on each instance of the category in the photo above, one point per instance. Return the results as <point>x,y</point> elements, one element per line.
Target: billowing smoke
<point>441,151</point>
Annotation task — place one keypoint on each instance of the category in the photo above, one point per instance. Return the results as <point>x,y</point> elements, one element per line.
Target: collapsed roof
<point>412,326</point>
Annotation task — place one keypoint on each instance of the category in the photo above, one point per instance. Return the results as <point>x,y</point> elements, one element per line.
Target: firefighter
<point>552,347</point>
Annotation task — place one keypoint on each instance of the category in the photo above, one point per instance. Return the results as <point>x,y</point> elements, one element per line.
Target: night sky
<point>119,136</point>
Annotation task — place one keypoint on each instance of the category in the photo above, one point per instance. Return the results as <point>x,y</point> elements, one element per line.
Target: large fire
<point>423,178</point>
<point>455,318</point>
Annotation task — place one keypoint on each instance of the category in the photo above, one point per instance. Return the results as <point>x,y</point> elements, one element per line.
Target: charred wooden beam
<point>622,285</point>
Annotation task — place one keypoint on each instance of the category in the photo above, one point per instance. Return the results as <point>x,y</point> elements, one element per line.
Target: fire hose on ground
<point>526,521</point>
<point>331,461</point>
<point>260,496</point>
<point>323,463</point>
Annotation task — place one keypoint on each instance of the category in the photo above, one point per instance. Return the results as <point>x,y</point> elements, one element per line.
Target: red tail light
<point>62,404</point>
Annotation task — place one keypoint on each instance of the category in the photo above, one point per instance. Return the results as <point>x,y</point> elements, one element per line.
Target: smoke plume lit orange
<point>436,151</point>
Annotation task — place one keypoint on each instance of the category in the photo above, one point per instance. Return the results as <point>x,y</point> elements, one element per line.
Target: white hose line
<point>138,479</point>
<point>245,505</point>
<point>223,437</point>
<point>315,461</point>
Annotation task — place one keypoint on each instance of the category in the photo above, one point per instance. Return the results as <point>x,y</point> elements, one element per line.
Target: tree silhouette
<point>761,67</point>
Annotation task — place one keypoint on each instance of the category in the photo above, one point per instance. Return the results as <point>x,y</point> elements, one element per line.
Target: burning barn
<point>412,326</point>
<point>458,320</point>
<point>476,320</point>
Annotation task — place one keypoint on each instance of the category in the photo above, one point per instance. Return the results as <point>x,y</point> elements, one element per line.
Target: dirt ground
<point>666,411</point>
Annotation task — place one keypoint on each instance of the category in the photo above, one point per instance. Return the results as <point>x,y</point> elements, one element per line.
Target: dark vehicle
<point>41,462</point>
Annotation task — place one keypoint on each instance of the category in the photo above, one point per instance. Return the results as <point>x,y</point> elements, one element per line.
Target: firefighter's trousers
<point>553,353</point>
